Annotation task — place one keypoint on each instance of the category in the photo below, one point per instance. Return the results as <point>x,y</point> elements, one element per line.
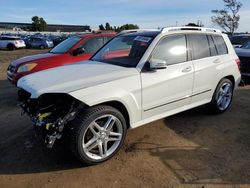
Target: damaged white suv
<point>136,78</point>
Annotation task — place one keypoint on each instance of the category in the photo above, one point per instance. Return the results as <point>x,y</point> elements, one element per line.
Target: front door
<point>165,90</point>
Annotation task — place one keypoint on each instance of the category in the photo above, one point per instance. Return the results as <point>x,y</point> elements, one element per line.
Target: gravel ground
<point>190,149</point>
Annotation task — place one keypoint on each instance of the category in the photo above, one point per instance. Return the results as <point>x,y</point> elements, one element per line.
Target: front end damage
<point>50,113</point>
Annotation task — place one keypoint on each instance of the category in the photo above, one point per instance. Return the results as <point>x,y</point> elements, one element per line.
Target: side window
<point>107,38</point>
<point>200,46</point>
<point>220,44</point>
<point>172,49</point>
<point>92,45</point>
<point>213,50</point>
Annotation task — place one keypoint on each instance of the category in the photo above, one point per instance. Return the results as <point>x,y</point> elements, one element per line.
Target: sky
<point>145,13</point>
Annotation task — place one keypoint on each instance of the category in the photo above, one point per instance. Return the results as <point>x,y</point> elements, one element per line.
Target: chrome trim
<point>180,99</point>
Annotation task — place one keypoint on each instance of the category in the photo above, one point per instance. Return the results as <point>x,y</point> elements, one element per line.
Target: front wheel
<point>97,134</point>
<point>222,97</point>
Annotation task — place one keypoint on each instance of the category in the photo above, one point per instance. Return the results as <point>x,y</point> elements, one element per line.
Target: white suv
<point>11,42</point>
<point>136,78</point>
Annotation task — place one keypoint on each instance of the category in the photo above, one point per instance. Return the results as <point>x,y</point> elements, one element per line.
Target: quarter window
<point>172,49</point>
<point>220,45</point>
<point>200,46</point>
<point>213,50</point>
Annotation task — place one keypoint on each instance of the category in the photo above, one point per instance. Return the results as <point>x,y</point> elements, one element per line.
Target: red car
<point>73,49</point>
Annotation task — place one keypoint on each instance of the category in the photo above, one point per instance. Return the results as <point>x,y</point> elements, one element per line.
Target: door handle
<point>187,69</point>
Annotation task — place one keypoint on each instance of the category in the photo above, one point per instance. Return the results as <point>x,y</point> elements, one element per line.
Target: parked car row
<point>31,41</point>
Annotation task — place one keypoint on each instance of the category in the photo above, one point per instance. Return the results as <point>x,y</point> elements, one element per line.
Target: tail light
<point>237,61</point>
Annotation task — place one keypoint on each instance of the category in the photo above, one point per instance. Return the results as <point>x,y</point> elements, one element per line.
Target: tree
<point>35,23</point>
<point>108,27</point>
<point>101,27</point>
<point>127,27</point>
<point>199,24</point>
<point>38,24</point>
<point>43,25</point>
<point>228,18</point>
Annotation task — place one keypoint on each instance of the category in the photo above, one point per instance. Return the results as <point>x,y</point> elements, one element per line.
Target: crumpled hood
<point>72,77</point>
<point>242,52</point>
<point>32,58</point>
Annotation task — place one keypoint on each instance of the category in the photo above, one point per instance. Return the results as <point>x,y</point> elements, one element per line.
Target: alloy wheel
<point>102,137</point>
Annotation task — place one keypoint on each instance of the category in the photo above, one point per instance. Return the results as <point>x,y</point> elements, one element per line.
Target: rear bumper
<point>20,46</point>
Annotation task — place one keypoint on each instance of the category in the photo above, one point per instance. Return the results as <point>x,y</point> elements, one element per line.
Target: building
<point>50,27</point>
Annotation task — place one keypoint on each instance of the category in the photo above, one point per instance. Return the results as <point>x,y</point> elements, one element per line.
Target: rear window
<point>239,40</point>
<point>200,46</point>
<point>220,44</point>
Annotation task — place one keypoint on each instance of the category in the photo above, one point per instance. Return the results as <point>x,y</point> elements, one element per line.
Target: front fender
<point>127,94</point>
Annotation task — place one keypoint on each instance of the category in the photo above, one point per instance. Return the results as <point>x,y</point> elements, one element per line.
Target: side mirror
<point>78,51</point>
<point>157,64</point>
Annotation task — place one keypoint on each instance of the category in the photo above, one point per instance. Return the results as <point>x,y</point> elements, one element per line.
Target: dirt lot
<point>191,149</point>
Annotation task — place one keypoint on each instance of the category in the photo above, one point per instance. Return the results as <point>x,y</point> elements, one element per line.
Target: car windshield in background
<point>246,46</point>
<point>124,51</point>
<point>64,46</point>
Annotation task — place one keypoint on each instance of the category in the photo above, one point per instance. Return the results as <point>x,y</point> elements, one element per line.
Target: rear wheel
<point>11,47</point>
<point>97,134</point>
<point>42,47</point>
<point>222,97</point>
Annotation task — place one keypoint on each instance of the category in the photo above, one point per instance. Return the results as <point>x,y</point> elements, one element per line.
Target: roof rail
<point>203,29</point>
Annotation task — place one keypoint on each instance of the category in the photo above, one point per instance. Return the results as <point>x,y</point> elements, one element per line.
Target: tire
<point>222,97</point>
<point>11,47</point>
<point>88,136</point>
<point>42,47</point>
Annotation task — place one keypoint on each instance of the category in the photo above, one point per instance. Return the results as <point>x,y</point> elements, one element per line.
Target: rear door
<point>4,42</point>
<point>207,64</point>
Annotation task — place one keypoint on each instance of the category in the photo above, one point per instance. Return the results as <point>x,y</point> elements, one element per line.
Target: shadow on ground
<point>216,148</point>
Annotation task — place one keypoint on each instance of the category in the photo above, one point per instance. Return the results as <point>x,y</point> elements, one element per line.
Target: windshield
<point>124,50</point>
<point>64,46</point>
<point>246,46</point>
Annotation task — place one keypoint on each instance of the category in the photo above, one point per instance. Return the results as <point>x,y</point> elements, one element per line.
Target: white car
<point>136,78</point>
<point>11,42</point>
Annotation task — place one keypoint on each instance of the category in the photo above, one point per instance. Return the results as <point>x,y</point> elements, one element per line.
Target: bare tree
<point>228,18</point>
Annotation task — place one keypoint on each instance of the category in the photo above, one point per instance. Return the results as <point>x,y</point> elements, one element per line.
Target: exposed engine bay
<point>50,113</point>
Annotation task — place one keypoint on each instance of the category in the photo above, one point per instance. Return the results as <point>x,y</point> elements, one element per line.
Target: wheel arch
<point>120,107</point>
<point>231,78</point>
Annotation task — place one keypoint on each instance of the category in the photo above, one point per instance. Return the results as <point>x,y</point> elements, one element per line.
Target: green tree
<point>38,24</point>
<point>108,27</point>
<point>228,18</point>
<point>127,27</point>
<point>35,23</point>
<point>101,27</point>
<point>43,25</point>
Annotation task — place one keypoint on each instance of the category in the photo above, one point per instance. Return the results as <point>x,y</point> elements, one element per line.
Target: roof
<point>9,36</point>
